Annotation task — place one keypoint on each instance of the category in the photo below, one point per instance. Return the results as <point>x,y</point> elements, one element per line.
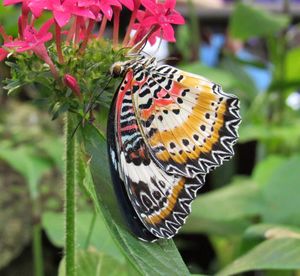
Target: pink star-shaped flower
<point>62,10</point>
<point>32,39</point>
<point>161,15</point>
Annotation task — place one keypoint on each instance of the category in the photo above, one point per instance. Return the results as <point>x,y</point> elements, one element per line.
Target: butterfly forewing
<point>189,123</point>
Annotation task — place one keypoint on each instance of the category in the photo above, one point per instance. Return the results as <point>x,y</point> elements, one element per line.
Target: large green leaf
<point>94,263</point>
<point>281,194</point>
<point>159,258</point>
<point>283,253</point>
<point>248,21</point>
<point>53,224</point>
<point>264,170</point>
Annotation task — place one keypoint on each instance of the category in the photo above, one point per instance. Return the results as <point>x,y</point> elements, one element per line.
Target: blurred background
<point>249,209</point>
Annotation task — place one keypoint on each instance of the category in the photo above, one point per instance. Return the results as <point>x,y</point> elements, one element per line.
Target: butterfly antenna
<point>90,107</point>
<point>137,48</point>
<point>159,44</point>
<point>168,59</point>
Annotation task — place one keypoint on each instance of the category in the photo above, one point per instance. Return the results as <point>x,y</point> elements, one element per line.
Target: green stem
<point>37,249</point>
<point>69,197</point>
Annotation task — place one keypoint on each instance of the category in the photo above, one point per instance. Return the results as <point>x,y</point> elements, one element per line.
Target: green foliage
<point>28,69</point>
<point>93,263</point>
<point>271,254</point>
<point>53,224</point>
<point>248,21</point>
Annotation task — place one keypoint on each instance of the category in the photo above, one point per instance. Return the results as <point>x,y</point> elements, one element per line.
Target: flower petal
<point>11,2</point>
<point>176,18</point>
<point>61,17</point>
<point>150,6</point>
<point>128,4</point>
<point>170,4</point>
<point>168,32</point>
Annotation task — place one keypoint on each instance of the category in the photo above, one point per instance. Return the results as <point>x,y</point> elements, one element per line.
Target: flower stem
<point>58,43</point>
<point>87,36</point>
<point>116,26</point>
<point>69,196</point>
<point>37,250</point>
<point>3,34</point>
<point>132,19</point>
<point>37,240</point>
<point>102,27</point>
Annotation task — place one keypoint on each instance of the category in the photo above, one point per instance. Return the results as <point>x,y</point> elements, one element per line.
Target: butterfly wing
<point>161,200</point>
<point>189,124</point>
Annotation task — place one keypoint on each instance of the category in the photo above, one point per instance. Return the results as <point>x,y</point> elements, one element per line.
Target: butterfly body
<point>170,128</point>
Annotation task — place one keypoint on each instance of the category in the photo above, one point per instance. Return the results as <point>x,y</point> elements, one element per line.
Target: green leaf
<point>31,166</point>
<point>281,194</point>
<point>54,147</point>
<point>248,21</point>
<point>159,258</point>
<point>239,200</point>
<point>264,170</point>
<point>216,75</point>
<point>292,65</point>
<point>53,224</point>
<point>197,225</point>
<point>94,263</point>
<point>280,253</point>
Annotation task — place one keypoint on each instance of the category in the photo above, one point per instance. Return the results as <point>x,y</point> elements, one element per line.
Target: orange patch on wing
<point>206,97</point>
<point>171,202</point>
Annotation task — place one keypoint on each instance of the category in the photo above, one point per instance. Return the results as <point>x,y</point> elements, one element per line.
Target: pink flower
<point>32,39</point>
<point>35,40</point>
<point>62,10</point>
<point>106,8</point>
<point>13,2</point>
<point>72,83</point>
<point>28,5</point>
<point>128,4</point>
<point>3,54</point>
<point>160,15</point>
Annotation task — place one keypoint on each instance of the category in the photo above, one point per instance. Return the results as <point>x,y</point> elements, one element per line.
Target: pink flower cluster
<point>75,22</point>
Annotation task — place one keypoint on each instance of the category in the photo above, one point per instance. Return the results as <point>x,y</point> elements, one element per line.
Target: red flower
<point>160,15</point>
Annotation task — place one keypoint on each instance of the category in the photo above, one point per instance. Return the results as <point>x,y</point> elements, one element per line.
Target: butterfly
<point>166,130</point>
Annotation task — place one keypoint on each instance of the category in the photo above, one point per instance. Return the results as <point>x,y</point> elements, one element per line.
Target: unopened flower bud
<point>71,82</point>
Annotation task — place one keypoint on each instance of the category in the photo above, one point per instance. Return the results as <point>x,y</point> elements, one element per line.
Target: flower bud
<point>71,82</point>
<point>3,54</point>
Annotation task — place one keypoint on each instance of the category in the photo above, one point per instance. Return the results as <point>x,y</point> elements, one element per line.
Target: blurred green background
<point>246,219</point>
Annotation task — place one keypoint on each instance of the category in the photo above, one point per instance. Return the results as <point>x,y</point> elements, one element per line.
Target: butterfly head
<point>118,69</point>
